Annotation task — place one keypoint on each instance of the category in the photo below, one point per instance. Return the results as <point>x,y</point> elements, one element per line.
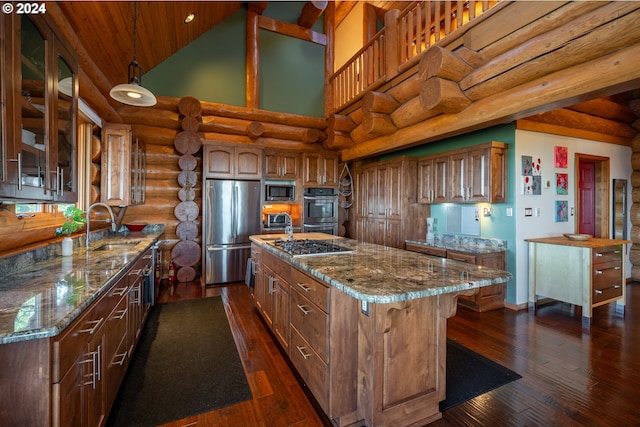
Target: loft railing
<point>396,47</point>
<point>363,72</point>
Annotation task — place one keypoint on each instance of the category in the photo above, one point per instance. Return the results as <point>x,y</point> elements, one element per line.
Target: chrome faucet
<point>288,226</point>
<point>113,219</point>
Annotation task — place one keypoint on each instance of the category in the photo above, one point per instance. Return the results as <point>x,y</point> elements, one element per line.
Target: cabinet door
<point>34,105</point>
<point>281,312</point>
<point>281,164</point>
<point>371,182</point>
<point>269,279</point>
<point>498,175</point>
<point>425,181</point>
<point>478,183</point>
<point>248,163</point>
<point>219,162</point>
<point>94,382</point>
<point>320,170</point>
<point>115,183</point>
<point>330,167</point>
<point>68,409</point>
<point>394,192</point>
<point>64,167</point>
<point>312,169</point>
<point>458,177</point>
<point>440,171</point>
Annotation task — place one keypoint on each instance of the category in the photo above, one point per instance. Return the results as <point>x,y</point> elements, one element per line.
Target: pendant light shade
<point>133,93</point>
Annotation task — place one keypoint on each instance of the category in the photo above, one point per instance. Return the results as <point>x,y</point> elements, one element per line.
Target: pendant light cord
<point>135,26</point>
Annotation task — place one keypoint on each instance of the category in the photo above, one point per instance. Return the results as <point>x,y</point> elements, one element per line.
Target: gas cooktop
<point>307,247</point>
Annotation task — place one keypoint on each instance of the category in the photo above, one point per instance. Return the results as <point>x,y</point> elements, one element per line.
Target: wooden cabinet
<point>227,161</point>
<point>281,164</point>
<point>470,175</point>
<point>273,296</point>
<point>312,318</point>
<point>123,167</point>
<point>488,297</point>
<point>38,120</point>
<point>320,169</point>
<point>432,180</point>
<point>383,192</point>
<point>588,273</point>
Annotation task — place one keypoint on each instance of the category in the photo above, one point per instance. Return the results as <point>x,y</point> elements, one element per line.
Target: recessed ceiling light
<point>190,17</point>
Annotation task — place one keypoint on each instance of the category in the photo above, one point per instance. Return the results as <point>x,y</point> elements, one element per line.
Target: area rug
<point>469,375</point>
<point>186,363</point>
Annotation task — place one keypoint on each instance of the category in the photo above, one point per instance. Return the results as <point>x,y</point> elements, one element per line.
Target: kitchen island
<point>588,272</point>
<point>366,328</point>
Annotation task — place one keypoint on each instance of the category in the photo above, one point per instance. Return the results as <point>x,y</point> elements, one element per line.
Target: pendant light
<point>133,93</point>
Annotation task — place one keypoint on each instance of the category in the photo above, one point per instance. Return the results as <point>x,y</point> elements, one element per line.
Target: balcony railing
<point>398,46</point>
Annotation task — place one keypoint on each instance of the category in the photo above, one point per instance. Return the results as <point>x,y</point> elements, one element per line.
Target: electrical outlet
<point>487,211</point>
<point>509,212</point>
<point>537,211</point>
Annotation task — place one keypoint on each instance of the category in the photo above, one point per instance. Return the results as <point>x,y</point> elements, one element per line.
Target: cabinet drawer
<point>311,322</point>
<point>278,266</point>
<point>607,254</point>
<point>607,281</point>
<point>313,290</point>
<point>429,250</point>
<point>142,266</point>
<point>311,368</point>
<point>461,256</point>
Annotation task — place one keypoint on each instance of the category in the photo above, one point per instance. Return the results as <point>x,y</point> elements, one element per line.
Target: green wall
<point>498,226</point>
<point>213,67</point>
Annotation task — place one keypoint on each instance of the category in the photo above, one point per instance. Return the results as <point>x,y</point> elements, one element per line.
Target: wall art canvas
<point>562,211</point>
<point>531,175</point>
<point>527,165</point>
<point>561,157</point>
<point>562,184</point>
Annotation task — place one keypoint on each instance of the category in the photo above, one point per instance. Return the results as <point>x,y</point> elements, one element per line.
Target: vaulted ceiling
<point>105,31</point>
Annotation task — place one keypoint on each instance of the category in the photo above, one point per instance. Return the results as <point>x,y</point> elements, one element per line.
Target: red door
<point>587,198</point>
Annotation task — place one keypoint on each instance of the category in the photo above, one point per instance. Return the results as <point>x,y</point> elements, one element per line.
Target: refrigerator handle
<point>235,213</point>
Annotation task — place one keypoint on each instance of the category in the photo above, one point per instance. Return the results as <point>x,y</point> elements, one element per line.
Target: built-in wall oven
<point>320,210</point>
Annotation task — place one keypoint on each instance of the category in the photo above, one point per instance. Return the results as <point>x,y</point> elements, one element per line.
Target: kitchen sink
<point>116,246</point>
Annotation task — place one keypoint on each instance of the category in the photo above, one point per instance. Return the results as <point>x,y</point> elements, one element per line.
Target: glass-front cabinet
<point>39,94</point>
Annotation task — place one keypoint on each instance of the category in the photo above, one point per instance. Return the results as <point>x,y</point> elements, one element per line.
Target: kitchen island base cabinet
<point>402,360</point>
<point>376,364</point>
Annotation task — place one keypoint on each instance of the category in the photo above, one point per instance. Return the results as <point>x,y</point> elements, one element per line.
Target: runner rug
<point>186,363</point>
<point>470,374</point>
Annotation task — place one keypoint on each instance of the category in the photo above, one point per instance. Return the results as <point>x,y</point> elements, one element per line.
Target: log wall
<point>158,126</point>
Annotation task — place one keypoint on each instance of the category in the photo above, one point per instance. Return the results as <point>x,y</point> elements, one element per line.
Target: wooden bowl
<point>135,227</point>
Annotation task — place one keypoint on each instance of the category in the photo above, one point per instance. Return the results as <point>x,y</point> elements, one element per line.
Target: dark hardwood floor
<point>569,377</point>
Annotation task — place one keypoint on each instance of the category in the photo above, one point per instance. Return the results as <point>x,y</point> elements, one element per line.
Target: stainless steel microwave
<point>279,191</point>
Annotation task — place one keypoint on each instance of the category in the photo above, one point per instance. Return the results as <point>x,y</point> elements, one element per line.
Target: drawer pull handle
<point>600,291</point>
<point>118,292</point>
<point>135,272</point>
<point>304,287</point>
<point>120,315</point>
<point>457,259</point>
<point>302,352</point>
<point>598,254</point>
<point>304,309</point>
<point>122,356</point>
<point>602,271</point>
<point>95,324</point>
<point>146,256</point>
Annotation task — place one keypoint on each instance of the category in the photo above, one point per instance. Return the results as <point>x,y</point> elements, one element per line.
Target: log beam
<point>443,96</point>
<point>311,11</point>
<point>618,72</point>
<point>378,102</point>
<point>441,62</point>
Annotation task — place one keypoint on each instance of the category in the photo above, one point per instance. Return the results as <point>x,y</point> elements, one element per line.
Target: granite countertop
<point>593,242</point>
<point>460,243</point>
<point>380,274</point>
<point>43,293</point>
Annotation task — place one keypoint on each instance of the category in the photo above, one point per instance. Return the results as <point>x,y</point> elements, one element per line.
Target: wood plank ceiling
<point>105,29</point>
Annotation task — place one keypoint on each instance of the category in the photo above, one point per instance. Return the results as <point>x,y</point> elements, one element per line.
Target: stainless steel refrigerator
<point>232,214</point>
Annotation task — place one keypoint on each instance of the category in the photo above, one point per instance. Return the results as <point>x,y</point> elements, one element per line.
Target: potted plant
<point>74,219</point>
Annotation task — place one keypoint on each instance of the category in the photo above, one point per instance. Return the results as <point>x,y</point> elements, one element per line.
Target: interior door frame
<point>602,192</point>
